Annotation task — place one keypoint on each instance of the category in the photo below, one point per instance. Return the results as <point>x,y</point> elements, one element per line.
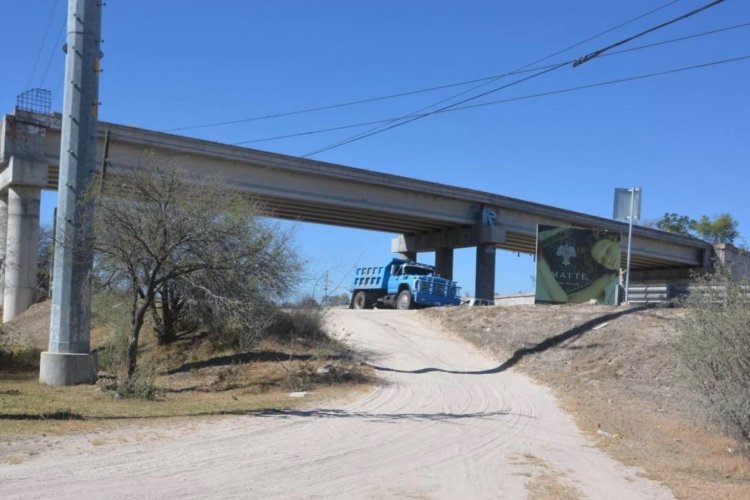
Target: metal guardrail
<point>655,294</point>
<point>660,294</point>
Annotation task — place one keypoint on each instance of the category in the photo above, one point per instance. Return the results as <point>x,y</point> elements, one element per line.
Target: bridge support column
<point>444,262</point>
<point>3,239</point>
<point>408,255</point>
<point>485,276</point>
<point>21,250</point>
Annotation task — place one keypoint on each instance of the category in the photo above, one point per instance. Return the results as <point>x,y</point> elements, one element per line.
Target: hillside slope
<point>616,370</point>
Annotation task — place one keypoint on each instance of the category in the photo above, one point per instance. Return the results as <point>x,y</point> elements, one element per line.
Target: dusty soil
<point>616,371</point>
<point>199,374</point>
<point>30,329</point>
<point>448,422</point>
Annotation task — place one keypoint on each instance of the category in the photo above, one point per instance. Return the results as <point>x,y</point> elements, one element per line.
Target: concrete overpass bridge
<point>428,216</point>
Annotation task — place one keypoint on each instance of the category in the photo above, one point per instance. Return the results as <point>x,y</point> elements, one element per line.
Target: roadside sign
<point>623,203</point>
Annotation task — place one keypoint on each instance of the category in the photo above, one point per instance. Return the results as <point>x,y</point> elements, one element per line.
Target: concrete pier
<point>21,250</point>
<point>444,262</point>
<point>485,274</point>
<point>3,238</point>
<point>407,255</point>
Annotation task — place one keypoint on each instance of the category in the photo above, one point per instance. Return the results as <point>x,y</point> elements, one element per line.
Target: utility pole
<point>68,360</point>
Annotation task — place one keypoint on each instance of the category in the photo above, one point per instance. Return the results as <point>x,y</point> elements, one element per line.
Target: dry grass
<point>30,408</point>
<point>197,376</point>
<point>619,376</point>
<point>546,482</point>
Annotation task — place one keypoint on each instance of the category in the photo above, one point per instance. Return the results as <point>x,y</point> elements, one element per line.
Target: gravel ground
<point>448,422</point>
<point>615,369</point>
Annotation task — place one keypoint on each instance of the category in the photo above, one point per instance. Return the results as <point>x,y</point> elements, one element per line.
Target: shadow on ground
<point>283,413</point>
<point>332,413</point>
<point>247,357</point>
<point>526,351</point>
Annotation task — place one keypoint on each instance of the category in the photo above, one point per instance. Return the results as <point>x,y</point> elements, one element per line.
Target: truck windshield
<point>417,271</point>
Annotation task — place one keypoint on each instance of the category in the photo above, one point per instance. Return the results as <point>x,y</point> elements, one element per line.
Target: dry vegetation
<point>617,371</point>
<point>545,482</point>
<point>198,375</point>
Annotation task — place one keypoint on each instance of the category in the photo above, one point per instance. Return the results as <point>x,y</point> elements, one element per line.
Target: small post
<point>630,239</point>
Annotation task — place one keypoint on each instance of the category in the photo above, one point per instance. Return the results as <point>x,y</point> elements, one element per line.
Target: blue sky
<point>684,138</point>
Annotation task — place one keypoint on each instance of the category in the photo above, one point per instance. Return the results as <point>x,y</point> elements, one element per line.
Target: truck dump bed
<point>372,277</point>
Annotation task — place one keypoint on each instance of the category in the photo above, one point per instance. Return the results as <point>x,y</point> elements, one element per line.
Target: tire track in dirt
<point>440,433</point>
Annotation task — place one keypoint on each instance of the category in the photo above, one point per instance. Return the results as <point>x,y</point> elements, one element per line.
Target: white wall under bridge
<point>428,215</point>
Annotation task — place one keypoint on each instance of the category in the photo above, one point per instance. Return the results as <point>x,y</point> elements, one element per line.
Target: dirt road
<point>444,425</point>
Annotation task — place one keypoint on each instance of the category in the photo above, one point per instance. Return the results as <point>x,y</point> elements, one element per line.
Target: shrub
<point>109,311</point>
<point>17,358</point>
<point>304,323</point>
<point>140,385</point>
<point>111,355</point>
<point>714,349</point>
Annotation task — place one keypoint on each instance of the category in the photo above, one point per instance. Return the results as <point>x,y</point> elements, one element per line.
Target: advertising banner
<point>576,265</point>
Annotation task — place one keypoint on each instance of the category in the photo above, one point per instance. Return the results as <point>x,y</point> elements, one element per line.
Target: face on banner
<point>576,265</point>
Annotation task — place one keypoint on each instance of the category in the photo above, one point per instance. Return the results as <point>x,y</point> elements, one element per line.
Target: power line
<point>488,79</point>
<point>612,53</point>
<point>678,39</point>
<point>605,32</point>
<point>609,82</point>
<point>406,119</point>
<point>599,52</point>
<point>512,99</point>
<point>403,120</point>
<point>455,84</point>
<point>410,118</point>
<point>44,40</point>
<point>655,74</point>
<point>58,41</point>
<point>311,132</point>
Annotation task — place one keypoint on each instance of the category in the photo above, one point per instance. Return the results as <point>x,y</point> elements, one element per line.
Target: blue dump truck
<point>402,284</point>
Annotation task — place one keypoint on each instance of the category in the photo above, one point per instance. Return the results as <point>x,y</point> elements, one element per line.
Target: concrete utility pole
<point>69,360</point>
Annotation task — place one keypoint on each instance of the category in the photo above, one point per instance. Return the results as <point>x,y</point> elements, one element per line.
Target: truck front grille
<point>435,288</point>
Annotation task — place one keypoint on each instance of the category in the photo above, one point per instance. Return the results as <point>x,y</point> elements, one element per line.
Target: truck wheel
<point>403,301</point>
<point>360,300</point>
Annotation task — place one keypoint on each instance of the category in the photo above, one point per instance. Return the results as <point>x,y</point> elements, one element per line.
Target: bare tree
<point>179,248</point>
<point>44,263</point>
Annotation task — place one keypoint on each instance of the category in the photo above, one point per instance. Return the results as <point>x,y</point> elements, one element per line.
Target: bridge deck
<point>313,191</point>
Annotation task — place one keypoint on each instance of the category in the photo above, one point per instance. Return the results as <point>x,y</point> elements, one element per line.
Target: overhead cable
<point>522,69</point>
<point>44,40</point>
<point>411,118</point>
<point>601,51</point>
<point>510,99</point>
<point>52,54</point>
<point>403,120</point>
<point>456,84</point>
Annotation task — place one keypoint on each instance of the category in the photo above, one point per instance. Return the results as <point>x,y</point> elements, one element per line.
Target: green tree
<point>720,229</point>
<point>675,223</point>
